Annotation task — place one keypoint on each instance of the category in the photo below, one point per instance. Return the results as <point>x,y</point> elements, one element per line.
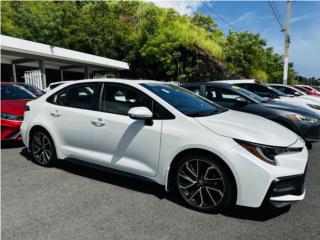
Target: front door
<point>119,141</point>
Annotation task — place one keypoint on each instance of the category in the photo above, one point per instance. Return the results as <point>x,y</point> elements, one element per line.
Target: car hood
<point>295,100</point>
<point>15,107</point>
<point>249,127</point>
<point>314,99</point>
<point>288,107</point>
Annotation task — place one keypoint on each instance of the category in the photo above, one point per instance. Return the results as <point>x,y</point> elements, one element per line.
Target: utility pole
<point>286,44</point>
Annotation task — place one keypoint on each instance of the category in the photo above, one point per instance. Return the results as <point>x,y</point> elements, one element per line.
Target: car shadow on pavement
<point>11,144</point>
<point>147,187</point>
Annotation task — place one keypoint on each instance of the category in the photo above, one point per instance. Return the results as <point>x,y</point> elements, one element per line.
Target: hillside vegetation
<point>158,43</point>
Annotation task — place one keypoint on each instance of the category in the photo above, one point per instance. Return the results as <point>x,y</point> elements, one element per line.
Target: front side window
<point>184,101</point>
<point>119,99</point>
<point>79,96</point>
<point>254,97</point>
<point>229,95</point>
<point>11,92</point>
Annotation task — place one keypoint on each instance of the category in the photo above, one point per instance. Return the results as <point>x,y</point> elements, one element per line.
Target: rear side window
<point>195,89</point>
<point>287,90</point>
<point>76,96</point>
<point>119,99</point>
<point>211,93</point>
<point>260,90</point>
<point>54,85</point>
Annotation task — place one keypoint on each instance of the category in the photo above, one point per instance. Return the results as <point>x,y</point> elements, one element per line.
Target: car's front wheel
<point>42,148</point>
<point>203,183</point>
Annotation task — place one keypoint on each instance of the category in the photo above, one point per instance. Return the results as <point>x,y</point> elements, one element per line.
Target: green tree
<point>158,43</point>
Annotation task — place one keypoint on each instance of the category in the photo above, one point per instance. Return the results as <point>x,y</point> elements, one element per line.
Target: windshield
<point>183,100</point>
<point>276,91</point>
<point>252,95</point>
<point>10,92</point>
<point>32,89</point>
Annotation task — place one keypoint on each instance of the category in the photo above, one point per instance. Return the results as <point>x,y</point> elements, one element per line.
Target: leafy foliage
<point>158,43</point>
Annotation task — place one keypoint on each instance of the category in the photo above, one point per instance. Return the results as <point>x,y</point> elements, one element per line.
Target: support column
<point>43,72</point>
<point>41,67</point>
<point>14,72</point>
<point>86,72</point>
<point>61,74</point>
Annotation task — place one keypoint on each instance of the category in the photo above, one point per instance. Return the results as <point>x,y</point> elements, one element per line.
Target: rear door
<point>70,116</point>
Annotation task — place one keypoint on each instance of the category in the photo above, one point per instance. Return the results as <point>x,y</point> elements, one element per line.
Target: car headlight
<point>12,117</point>
<point>264,153</point>
<point>302,118</point>
<point>317,107</point>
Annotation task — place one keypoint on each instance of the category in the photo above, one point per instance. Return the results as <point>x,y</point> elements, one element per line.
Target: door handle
<point>98,123</point>
<point>55,114</point>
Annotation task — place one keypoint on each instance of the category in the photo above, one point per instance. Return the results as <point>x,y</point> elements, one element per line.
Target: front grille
<point>293,185</point>
<point>294,150</point>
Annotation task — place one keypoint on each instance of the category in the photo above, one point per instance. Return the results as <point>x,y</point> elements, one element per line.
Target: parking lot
<point>74,202</point>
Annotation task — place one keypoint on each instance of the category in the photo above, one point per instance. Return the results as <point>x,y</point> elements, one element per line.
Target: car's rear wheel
<point>203,183</point>
<point>42,148</point>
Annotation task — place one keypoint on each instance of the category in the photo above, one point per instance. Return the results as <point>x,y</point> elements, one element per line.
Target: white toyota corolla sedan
<point>210,156</point>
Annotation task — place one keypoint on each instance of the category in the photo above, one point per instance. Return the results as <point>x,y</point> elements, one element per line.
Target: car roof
<point>115,80</point>
<point>217,84</point>
<point>279,84</point>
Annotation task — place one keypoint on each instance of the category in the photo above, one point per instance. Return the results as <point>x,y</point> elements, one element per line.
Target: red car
<point>13,100</point>
<point>307,90</point>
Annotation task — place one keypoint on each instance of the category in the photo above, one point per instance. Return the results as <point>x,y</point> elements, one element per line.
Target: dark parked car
<point>262,90</point>
<point>305,123</point>
<point>288,90</point>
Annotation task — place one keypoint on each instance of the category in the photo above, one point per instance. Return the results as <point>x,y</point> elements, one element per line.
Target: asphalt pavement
<point>71,201</point>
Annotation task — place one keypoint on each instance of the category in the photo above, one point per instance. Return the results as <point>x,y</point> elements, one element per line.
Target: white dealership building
<point>22,60</point>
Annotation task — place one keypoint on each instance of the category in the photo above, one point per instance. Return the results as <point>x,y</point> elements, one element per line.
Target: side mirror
<point>241,100</point>
<point>297,94</point>
<point>141,113</point>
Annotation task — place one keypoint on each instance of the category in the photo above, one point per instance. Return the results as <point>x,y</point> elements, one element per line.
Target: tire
<point>203,183</point>
<point>42,148</point>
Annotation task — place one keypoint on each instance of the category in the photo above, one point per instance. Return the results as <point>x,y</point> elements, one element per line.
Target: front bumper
<point>286,190</point>
<point>10,130</point>
<point>254,178</point>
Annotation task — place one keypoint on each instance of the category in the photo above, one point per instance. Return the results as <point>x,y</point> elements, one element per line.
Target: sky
<point>257,17</point>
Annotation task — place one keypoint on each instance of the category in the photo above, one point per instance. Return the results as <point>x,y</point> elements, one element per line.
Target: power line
<point>275,3</point>
<point>220,17</point>
<point>276,16</point>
